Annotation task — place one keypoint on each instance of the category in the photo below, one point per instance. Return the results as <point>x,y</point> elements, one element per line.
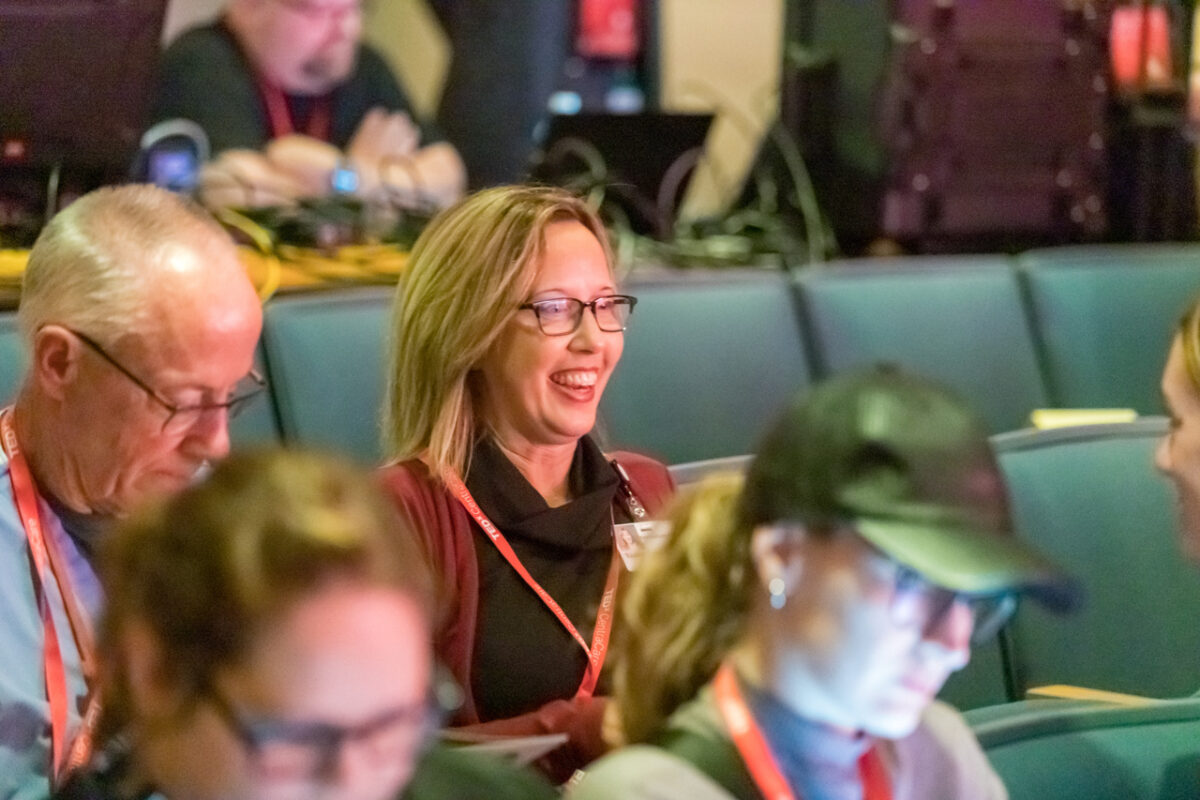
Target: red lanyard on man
<point>756,754</point>
<point>599,646</point>
<point>279,115</point>
<point>48,566</point>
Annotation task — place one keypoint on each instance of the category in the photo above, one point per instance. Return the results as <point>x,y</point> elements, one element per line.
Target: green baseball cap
<point>906,463</point>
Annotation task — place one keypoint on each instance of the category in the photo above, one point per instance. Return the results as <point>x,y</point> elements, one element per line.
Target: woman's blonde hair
<point>1189,338</point>
<point>468,272</point>
<point>685,607</point>
<point>207,571</point>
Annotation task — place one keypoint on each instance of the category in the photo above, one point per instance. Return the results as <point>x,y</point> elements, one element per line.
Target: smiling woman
<point>506,329</point>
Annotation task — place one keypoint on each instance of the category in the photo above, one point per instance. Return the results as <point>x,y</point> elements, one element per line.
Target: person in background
<point>1178,454</point>
<point>139,327</point>
<point>789,639</point>
<point>507,325</point>
<point>295,105</point>
<point>267,636</point>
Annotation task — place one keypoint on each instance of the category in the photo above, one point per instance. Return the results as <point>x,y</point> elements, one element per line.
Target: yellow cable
<point>271,266</point>
<point>12,266</point>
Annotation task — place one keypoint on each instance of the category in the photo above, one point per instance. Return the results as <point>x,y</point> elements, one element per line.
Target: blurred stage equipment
<point>952,125</point>
<point>75,82</point>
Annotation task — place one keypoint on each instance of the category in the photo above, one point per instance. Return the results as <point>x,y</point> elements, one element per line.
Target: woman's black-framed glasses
<point>284,749</point>
<point>561,316</point>
<point>916,600</point>
<point>181,418</point>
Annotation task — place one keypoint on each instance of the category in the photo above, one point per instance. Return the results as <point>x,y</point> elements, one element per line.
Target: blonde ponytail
<point>684,608</point>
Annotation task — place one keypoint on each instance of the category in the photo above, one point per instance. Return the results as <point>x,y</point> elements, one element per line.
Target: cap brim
<point>972,562</point>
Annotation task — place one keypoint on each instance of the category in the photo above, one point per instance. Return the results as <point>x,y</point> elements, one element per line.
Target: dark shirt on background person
<point>207,79</point>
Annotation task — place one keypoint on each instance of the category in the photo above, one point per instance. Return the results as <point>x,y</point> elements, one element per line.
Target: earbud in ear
<point>777,588</point>
<point>767,547</point>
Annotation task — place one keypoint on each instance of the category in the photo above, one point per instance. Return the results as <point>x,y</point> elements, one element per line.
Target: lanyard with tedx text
<point>757,754</point>
<point>47,563</point>
<point>279,116</point>
<point>600,634</point>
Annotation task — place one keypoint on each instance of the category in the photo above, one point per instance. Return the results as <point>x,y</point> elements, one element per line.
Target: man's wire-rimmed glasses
<point>181,418</point>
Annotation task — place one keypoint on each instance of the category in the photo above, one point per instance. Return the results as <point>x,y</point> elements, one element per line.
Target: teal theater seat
<point>1066,751</point>
<point>325,359</point>
<point>1091,498</point>
<point>956,319</point>
<point>709,359</point>
<point>1104,317</point>
<point>12,358</point>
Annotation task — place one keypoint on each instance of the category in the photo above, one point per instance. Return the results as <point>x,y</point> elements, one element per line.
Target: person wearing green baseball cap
<point>789,638</point>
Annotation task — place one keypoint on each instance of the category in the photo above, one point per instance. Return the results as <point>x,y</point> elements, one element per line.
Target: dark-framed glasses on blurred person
<point>182,417</point>
<point>561,316</point>
<point>916,601</point>
<point>294,750</point>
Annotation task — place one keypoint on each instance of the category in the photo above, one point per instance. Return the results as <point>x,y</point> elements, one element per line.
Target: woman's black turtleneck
<point>524,657</point>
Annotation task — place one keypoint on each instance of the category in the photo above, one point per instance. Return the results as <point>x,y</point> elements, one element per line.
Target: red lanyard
<point>599,646</point>
<point>45,555</point>
<point>279,116</point>
<point>757,754</point>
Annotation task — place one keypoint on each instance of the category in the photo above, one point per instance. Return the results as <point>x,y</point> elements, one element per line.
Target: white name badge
<point>635,538</point>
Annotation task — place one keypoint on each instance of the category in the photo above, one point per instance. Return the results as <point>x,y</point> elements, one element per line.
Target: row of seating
<point>708,361</point>
<point>712,355</point>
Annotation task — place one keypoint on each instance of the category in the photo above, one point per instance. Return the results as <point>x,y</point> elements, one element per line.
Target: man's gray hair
<point>95,265</point>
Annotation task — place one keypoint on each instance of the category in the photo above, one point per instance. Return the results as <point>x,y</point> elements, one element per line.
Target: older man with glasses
<point>140,327</point>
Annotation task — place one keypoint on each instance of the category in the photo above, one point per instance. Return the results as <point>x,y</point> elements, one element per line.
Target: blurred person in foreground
<point>789,639</point>
<point>267,636</point>
<point>295,105</point>
<point>139,327</point>
<point>506,328</point>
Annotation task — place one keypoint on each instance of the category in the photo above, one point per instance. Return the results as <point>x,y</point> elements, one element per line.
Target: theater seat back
<point>12,357</point>
<point>325,358</point>
<point>1104,317</point>
<point>1091,498</point>
<point>708,361</point>
<point>1097,753</point>
<point>959,320</point>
